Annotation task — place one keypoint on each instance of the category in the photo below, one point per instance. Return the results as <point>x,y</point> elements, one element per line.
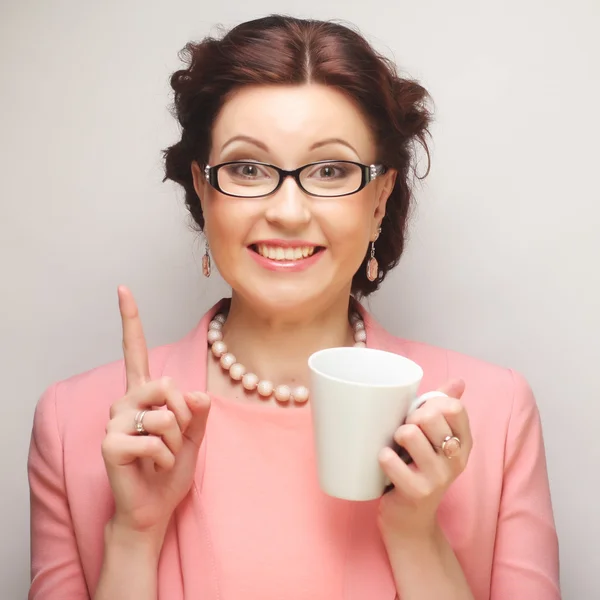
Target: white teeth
<point>280,253</point>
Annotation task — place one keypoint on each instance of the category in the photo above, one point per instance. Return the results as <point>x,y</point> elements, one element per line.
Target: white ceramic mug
<point>359,397</point>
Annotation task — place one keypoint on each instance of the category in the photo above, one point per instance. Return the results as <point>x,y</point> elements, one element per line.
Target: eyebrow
<point>259,144</point>
<point>245,138</point>
<point>333,141</point>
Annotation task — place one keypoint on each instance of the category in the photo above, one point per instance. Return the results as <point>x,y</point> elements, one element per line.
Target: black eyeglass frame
<point>369,173</point>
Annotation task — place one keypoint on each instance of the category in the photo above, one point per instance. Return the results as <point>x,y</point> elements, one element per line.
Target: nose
<point>289,206</point>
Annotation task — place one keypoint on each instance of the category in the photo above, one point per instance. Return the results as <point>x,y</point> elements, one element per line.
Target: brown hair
<point>285,50</point>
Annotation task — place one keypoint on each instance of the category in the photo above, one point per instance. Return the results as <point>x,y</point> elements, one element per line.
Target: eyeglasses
<point>324,179</point>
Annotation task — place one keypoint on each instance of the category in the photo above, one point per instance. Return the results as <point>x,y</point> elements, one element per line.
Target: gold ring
<point>451,446</point>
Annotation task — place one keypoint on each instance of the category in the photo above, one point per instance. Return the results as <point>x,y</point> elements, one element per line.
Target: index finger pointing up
<point>135,351</point>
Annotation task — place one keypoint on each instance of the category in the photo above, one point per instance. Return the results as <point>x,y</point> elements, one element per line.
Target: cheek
<point>347,225</point>
<point>227,220</point>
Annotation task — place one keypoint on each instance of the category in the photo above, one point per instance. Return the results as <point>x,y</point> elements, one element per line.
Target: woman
<point>295,157</point>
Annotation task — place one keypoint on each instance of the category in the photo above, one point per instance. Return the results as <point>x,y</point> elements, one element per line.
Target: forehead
<point>289,120</point>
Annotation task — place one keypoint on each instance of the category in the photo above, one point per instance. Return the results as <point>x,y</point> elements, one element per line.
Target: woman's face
<point>260,245</point>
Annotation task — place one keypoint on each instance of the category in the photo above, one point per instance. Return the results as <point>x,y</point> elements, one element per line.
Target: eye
<point>249,171</point>
<point>328,171</point>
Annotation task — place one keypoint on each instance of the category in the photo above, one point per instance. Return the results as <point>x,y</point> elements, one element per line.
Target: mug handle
<point>418,402</point>
<point>399,450</point>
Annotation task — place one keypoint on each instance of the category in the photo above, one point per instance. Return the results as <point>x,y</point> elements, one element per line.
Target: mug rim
<point>351,349</point>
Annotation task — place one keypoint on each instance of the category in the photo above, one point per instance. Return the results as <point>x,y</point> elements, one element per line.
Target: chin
<point>291,297</point>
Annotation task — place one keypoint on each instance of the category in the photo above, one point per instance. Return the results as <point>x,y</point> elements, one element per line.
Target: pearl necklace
<point>250,381</point>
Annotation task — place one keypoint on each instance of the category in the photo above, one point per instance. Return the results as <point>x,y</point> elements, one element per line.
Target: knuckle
<point>411,432</point>
<point>108,447</point>
<point>428,489</point>
<point>166,383</point>
<point>407,433</point>
<point>454,407</point>
<point>152,444</point>
<point>424,489</point>
<point>169,418</point>
<point>116,407</point>
<point>429,415</point>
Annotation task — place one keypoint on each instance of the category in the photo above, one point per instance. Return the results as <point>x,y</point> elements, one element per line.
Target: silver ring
<point>139,423</point>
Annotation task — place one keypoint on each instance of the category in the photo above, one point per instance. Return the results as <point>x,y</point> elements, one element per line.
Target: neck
<point>277,346</point>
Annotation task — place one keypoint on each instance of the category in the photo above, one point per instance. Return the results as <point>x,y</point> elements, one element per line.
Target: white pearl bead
<point>300,394</point>
<point>218,349</point>
<point>236,371</point>
<point>360,336</point>
<point>227,360</point>
<point>265,388</point>
<point>282,393</point>
<point>250,381</point>
<point>214,335</point>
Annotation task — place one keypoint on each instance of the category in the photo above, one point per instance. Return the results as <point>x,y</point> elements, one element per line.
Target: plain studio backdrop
<point>503,257</point>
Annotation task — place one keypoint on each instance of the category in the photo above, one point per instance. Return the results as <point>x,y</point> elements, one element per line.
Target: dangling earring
<point>373,265</point>
<point>206,261</point>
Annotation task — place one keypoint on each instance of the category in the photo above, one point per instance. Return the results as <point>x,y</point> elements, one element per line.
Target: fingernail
<point>196,397</point>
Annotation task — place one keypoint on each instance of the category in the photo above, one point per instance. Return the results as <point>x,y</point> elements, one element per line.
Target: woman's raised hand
<point>150,473</point>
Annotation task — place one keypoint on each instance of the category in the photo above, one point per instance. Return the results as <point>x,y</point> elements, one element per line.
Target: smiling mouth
<point>278,253</point>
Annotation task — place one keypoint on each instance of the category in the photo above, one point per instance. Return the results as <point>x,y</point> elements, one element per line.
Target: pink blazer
<point>497,515</point>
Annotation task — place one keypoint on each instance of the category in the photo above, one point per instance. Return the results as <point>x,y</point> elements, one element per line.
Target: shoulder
<point>493,392</point>
<point>87,397</point>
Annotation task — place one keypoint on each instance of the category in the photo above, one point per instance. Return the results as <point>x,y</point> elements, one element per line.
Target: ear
<point>199,182</point>
<point>384,190</point>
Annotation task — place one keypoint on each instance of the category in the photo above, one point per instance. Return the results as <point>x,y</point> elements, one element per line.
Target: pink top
<point>255,524</point>
<point>271,517</point>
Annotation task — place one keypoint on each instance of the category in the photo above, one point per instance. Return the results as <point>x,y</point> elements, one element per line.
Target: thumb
<point>454,388</point>
<point>199,404</point>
